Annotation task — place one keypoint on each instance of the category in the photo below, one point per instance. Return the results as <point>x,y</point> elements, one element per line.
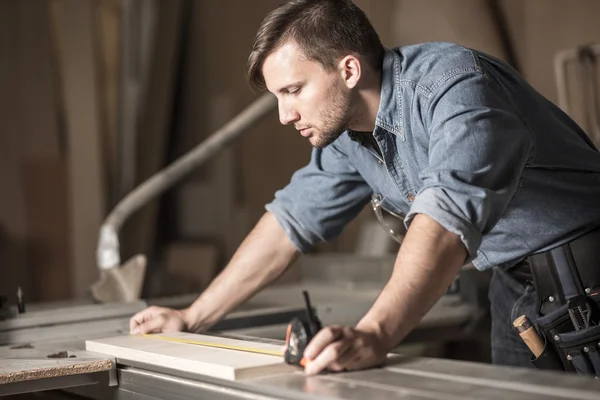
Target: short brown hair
<point>325,30</point>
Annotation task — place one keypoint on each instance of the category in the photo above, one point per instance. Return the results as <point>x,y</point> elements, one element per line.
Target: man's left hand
<point>341,348</point>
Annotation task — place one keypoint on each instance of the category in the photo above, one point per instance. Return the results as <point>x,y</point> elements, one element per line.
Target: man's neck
<point>367,106</point>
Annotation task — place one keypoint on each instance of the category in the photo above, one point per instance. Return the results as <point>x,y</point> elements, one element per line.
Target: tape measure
<point>300,332</point>
<point>216,345</point>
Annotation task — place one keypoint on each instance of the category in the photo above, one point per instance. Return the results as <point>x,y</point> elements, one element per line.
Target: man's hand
<point>428,261</point>
<point>158,319</point>
<point>341,348</point>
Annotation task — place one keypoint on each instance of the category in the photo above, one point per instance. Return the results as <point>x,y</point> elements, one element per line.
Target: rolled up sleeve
<point>478,147</point>
<point>320,199</point>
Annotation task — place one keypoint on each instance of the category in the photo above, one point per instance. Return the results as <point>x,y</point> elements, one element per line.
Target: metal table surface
<point>262,318</point>
<point>402,378</point>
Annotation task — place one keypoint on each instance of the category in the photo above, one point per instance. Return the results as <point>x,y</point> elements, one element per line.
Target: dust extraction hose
<point>108,253</point>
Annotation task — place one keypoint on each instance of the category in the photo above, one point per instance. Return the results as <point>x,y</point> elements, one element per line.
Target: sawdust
<point>61,354</point>
<point>22,346</point>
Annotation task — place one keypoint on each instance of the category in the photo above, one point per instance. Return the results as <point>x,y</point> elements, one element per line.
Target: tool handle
<point>529,335</point>
<point>314,323</point>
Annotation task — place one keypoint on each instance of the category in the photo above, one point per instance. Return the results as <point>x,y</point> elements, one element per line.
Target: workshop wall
<point>526,33</point>
<point>194,82</point>
<point>33,225</point>
<point>539,30</point>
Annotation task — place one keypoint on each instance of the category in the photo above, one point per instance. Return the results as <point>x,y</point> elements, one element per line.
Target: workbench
<point>340,294</point>
<point>419,378</point>
<point>402,377</point>
<point>51,330</point>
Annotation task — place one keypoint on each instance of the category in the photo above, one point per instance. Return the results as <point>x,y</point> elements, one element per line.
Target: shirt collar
<point>389,114</point>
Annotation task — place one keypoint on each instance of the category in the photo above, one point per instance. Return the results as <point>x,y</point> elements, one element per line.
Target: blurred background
<point>98,95</point>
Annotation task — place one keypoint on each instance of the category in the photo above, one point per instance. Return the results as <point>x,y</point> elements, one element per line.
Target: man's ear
<point>351,70</point>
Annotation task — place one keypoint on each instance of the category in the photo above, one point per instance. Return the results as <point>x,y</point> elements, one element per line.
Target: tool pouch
<point>567,281</point>
<point>548,360</point>
<point>566,348</point>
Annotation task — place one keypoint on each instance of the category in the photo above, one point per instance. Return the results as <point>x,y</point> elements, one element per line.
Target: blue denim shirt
<point>465,140</point>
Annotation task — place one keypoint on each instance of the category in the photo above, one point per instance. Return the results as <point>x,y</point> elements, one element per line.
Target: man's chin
<point>320,142</point>
<point>314,142</point>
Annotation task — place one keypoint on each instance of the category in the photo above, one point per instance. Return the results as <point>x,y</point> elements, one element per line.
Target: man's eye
<point>294,91</point>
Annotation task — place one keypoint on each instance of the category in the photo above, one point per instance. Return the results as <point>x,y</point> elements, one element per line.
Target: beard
<point>336,118</point>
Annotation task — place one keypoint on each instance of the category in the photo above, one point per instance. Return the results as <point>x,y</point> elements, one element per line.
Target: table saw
<point>401,377</point>
<point>341,293</point>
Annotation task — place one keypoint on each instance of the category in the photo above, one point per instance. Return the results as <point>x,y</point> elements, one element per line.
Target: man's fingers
<point>328,357</point>
<point>154,325</point>
<point>138,319</point>
<point>321,340</point>
<point>344,360</point>
<point>142,317</point>
<point>342,349</point>
<point>133,324</point>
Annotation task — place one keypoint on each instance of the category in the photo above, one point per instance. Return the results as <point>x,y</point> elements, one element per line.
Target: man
<point>482,166</point>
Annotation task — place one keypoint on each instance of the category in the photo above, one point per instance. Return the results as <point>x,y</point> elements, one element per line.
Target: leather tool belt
<point>567,282</point>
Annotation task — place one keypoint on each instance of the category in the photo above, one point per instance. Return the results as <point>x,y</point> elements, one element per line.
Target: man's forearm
<point>261,258</point>
<point>429,259</point>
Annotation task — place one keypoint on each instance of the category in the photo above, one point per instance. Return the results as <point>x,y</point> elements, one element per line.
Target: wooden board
<point>32,362</point>
<point>215,362</point>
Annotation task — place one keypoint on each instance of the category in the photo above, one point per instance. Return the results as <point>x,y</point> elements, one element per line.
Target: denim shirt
<point>468,142</point>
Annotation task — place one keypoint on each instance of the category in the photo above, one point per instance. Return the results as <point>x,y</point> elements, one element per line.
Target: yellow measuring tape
<point>217,345</point>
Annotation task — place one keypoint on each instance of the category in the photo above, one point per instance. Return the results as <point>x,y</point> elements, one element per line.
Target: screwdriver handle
<point>529,335</point>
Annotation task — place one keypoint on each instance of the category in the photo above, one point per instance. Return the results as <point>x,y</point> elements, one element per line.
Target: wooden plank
<point>215,362</point>
<point>32,362</point>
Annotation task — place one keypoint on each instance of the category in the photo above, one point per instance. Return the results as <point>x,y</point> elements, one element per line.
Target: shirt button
<point>380,162</point>
<point>411,197</point>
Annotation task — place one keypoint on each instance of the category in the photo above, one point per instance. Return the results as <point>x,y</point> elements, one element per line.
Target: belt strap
<point>565,272</point>
<point>548,288</point>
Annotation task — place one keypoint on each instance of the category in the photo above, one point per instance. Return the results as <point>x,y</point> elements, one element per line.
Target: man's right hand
<point>158,319</point>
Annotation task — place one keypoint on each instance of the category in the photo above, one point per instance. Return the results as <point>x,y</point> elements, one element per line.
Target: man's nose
<point>287,115</point>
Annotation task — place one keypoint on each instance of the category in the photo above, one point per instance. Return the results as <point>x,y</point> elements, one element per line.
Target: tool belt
<point>567,282</point>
